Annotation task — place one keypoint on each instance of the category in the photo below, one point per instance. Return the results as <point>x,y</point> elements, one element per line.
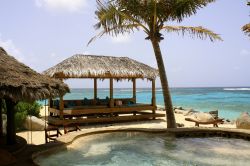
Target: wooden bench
<point>215,122</point>
<point>51,128</point>
<point>70,127</point>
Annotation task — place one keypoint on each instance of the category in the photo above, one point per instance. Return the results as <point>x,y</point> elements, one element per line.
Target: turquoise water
<point>229,101</point>
<point>141,149</point>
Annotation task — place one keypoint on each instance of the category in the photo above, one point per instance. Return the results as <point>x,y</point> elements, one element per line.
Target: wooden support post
<point>11,130</point>
<point>61,107</point>
<point>1,118</point>
<point>95,88</point>
<point>95,91</point>
<point>134,90</point>
<point>50,103</point>
<point>111,103</point>
<point>153,95</point>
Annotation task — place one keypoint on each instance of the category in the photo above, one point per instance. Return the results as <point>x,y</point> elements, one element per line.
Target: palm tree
<point>246,28</point>
<point>125,16</point>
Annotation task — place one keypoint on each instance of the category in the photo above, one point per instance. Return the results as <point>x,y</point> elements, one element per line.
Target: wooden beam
<point>11,130</point>
<point>153,96</point>
<point>61,107</point>
<point>134,89</point>
<point>50,103</point>
<point>86,111</point>
<point>111,88</point>
<point>95,88</point>
<point>153,93</point>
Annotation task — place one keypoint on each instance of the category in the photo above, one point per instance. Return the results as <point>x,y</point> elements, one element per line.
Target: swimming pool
<point>146,149</point>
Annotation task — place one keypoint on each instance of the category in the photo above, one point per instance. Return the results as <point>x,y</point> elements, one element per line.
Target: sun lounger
<point>215,122</point>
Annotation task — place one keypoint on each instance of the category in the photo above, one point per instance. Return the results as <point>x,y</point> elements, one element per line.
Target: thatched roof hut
<point>91,66</point>
<point>19,82</point>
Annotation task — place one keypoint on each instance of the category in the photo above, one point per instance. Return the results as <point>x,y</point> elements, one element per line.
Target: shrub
<point>24,109</point>
<point>20,118</point>
<point>30,109</point>
<point>2,102</point>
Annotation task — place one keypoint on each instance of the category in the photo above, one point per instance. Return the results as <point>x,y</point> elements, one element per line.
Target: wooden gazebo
<point>102,110</point>
<point>18,82</point>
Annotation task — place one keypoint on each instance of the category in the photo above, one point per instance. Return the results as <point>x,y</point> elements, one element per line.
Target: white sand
<point>38,137</point>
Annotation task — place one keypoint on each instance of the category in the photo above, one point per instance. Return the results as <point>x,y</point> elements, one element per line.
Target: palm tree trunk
<point>164,83</point>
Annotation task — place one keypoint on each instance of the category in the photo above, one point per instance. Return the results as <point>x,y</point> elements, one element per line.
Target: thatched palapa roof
<point>18,82</point>
<point>91,66</point>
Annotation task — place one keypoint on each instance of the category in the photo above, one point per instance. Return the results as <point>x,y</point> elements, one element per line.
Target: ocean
<point>230,102</point>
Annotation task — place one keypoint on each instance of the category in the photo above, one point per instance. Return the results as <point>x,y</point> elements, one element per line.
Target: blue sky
<point>41,33</point>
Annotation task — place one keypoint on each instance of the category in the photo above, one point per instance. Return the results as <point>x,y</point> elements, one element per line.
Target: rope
<point>28,134</point>
<point>30,131</point>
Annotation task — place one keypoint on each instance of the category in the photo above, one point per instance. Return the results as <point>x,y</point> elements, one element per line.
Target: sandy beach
<point>38,137</point>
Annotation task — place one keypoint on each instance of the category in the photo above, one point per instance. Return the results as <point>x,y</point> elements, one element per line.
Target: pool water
<point>143,149</point>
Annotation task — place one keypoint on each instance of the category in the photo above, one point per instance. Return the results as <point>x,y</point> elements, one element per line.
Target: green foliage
<point>152,16</point>
<point>30,109</point>
<point>20,118</point>
<point>3,106</point>
<point>23,110</point>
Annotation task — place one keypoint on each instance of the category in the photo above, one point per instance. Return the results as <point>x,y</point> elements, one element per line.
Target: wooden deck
<point>123,118</point>
<point>85,110</point>
<point>103,114</point>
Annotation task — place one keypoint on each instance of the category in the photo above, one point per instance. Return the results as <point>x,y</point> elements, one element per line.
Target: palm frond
<point>199,32</point>
<point>126,29</point>
<point>246,29</point>
<point>114,20</point>
<point>181,9</point>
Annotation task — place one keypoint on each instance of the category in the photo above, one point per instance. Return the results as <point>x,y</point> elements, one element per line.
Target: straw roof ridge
<point>99,66</point>
<point>20,83</point>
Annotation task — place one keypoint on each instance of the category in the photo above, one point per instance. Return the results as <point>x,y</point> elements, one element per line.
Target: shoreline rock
<point>243,122</point>
<point>34,123</point>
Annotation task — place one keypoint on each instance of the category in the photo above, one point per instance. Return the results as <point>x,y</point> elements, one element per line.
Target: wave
<point>237,89</point>
<point>125,90</point>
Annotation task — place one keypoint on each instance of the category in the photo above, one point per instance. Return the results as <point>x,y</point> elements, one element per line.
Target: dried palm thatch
<point>246,29</point>
<point>91,66</point>
<point>18,82</point>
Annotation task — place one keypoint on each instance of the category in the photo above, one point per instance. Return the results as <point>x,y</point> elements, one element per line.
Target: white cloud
<point>62,5</point>
<point>121,38</point>
<point>244,52</point>
<point>11,49</point>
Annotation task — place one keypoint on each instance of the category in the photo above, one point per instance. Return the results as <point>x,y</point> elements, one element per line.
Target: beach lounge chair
<point>215,122</point>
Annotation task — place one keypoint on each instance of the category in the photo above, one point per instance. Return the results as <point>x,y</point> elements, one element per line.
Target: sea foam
<point>237,89</point>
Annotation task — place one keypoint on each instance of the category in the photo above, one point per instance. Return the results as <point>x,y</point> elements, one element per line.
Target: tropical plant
<point>152,16</point>
<point>24,109</point>
<point>246,28</point>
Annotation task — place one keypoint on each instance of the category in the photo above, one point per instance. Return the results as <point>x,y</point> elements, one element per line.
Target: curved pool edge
<point>67,139</point>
